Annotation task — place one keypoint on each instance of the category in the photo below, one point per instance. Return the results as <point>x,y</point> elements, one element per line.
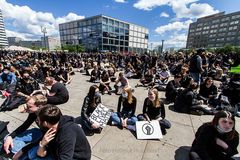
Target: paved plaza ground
<point>114,143</point>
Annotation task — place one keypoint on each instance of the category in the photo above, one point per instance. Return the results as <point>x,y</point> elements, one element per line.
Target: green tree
<point>73,48</point>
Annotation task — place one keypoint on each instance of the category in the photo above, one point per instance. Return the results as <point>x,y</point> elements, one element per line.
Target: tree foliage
<point>73,48</point>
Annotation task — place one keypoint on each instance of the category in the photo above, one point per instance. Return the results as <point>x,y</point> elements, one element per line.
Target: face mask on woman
<point>124,95</point>
<point>222,130</point>
<point>97,94</point>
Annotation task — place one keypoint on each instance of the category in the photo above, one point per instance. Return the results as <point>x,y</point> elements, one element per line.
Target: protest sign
<point>148,130</point>
<point>100,115</point>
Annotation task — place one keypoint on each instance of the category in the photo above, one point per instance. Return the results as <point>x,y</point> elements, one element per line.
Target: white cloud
<point>164,14</point>
<point>120,1</point>
<point>27,22</point>
<point>175,41</point>
<point>182,8</point>
<point>175,26</point>
<point>150,4</point>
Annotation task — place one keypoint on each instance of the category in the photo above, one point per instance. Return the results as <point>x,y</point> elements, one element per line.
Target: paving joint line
<point>144,150</point>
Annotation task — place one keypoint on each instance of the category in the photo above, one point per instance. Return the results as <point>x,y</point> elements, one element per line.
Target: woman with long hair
<point>153,109</point>
<point>216,140</point>
<point>124,117</point>
<point>90,103</point>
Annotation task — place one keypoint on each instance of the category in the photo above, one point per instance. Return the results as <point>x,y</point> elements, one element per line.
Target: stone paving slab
<point>114,143</point>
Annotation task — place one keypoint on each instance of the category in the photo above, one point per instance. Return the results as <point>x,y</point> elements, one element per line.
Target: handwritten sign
<point>146,130</point>
<point>100,115</point>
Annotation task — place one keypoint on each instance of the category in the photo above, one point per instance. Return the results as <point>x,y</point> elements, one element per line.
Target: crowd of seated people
<point>192,90</point>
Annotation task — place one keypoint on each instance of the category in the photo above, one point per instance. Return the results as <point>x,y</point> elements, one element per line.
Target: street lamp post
<point>44,31</point>
<point>162,47</point>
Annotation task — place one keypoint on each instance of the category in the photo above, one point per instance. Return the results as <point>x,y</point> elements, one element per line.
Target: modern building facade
<point>14,41</point>
<point>51,43</point>
<point>3,37</point>
<point>214,31</point>
<point>103,33</point>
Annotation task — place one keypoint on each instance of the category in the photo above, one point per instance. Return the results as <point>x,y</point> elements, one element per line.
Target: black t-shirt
<point>60,90</point>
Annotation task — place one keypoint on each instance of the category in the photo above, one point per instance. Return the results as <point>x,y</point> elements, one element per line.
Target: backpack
<point>12,102</point>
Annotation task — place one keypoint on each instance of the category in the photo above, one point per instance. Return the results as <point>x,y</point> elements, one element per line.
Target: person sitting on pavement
<point>95,74</point>
<point>58,93</point>
<point>163,75</point>
<point>216,140</point>
<point>20,137</point>
<point>173,88</point>
<point>8,80</point>
<point>186,102</point>
<point>124,83</point>
<point>90,103</point>
<point>208,92</point>
<point>129,71</point>
<point>154,109</point>
<point>147,79</point>
<point>125,115</point>
<point>105,83</point>
<point>64,139</point>
<point>111,72</point>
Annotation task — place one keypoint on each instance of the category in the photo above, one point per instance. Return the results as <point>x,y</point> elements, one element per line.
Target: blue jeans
<point>32,155</point>
<point>116,119</point>
<point>26,137</point>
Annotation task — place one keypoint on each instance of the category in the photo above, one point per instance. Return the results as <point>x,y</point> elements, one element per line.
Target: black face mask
<point>26,78</point>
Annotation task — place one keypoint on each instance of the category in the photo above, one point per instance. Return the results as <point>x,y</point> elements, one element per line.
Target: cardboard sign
<point>100,115</point>
<point>146,130</point>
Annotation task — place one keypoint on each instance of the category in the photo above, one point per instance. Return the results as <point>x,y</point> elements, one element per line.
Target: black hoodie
<point>70,142</point>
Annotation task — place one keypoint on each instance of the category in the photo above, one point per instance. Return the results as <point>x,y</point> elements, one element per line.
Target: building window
<point>105,28</point>
<point>121,24</point>
<point>110,22</point>
<point>104,20</point>
<point>111,29</point>
<point>116,23</point>
<point>116,29</point>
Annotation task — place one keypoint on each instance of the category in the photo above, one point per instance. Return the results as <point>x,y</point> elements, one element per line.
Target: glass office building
<point>3,38</point>
<point>103,33</point>
<point>215,30</point>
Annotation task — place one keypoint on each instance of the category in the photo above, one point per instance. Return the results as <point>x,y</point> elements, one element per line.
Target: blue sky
<point>166,19</point>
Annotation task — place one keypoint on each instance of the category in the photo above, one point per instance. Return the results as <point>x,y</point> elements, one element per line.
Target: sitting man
<point>16,140</point>
<point>58,94</point>
<point>63,138</point>
<point>173,88</point>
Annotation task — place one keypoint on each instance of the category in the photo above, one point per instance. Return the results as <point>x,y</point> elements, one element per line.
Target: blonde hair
<point>156,102</point>
<point>39,99</point>
<point>129,92</point>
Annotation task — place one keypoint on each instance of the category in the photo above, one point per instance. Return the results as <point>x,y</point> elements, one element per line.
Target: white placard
<point>146,130</point>
<point>100,115</point>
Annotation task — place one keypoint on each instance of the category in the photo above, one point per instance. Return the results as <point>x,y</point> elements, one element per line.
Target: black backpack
<point>12,102</point>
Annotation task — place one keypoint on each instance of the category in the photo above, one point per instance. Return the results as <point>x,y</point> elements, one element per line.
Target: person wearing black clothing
<point>27,84</point>
<point>21,136</point>
<point>95,74</point>
<point>187,101</point>
<point>195,66</point>
<point>125,115</point>
<point>216,140</point>
<point>208,92</point>
<point>90,103</point>
<point>58,93</point>
<point>153,109</point>
<point>172,89</point>
<point>105,83</point>
<point>64,138</point>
